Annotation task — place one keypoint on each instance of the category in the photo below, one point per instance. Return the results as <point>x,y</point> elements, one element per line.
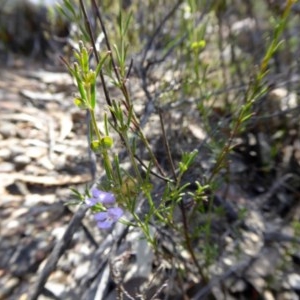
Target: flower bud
<point>107,142</point>
<point>80,103</point>
<point>96,146</point>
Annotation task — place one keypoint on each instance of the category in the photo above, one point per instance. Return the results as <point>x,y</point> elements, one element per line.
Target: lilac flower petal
<point>105,225</point>
<point>105,219</point>
<point>115,213</point>
<point>91,201</point>
<point>107,198</point>
<point>103,197</point>
<point>101,216</point>
<point>95,192</point>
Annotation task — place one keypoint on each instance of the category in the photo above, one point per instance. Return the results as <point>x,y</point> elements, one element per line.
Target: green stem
<point>95,126</point>
<point>106,160</point>
<point>133,161</point>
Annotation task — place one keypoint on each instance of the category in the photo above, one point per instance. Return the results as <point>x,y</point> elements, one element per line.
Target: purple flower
<point>100,196</point>
<point>106,219</point>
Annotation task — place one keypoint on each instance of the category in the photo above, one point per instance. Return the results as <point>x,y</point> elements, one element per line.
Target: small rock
<point>7,286</point>
<point>74,257</point>
<point>5,153</point>
<point>288,296</point>
<point>21,160</point>
<point>7,129</point>
<point>246,34</point>
<point>283,99</point>
<point>268,295</point>
<point>12,224</point>
<point>238,286</point>
<point>82,270</point>
<point>258,283</point>
<point>58,232</point>
<point>46,163</point>
<point>17,213</point>
<point>32,169</point>
<point>294,281</point>
<point>35,152</point>
<point>56,288</point>
<point>242,26</point>
<point>255,222</point>
<point>6,167</point>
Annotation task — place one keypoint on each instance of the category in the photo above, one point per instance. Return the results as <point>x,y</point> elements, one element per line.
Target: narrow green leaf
<point>118,170</point>
<point>106,124</point>
<point>93,94</point>
<point>119,58</point>
<point>99,66</point>
<point>67,4</point>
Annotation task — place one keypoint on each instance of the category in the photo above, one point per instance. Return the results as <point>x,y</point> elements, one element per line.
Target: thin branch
<point>166,144</point>
<point>158,29</point>
<point>99,16</point>
<point>152,172</point>
<point>88,26</point>
<point>57,252</point>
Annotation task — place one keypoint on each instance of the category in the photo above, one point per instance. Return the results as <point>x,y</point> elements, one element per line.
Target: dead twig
<point>57,252</point>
